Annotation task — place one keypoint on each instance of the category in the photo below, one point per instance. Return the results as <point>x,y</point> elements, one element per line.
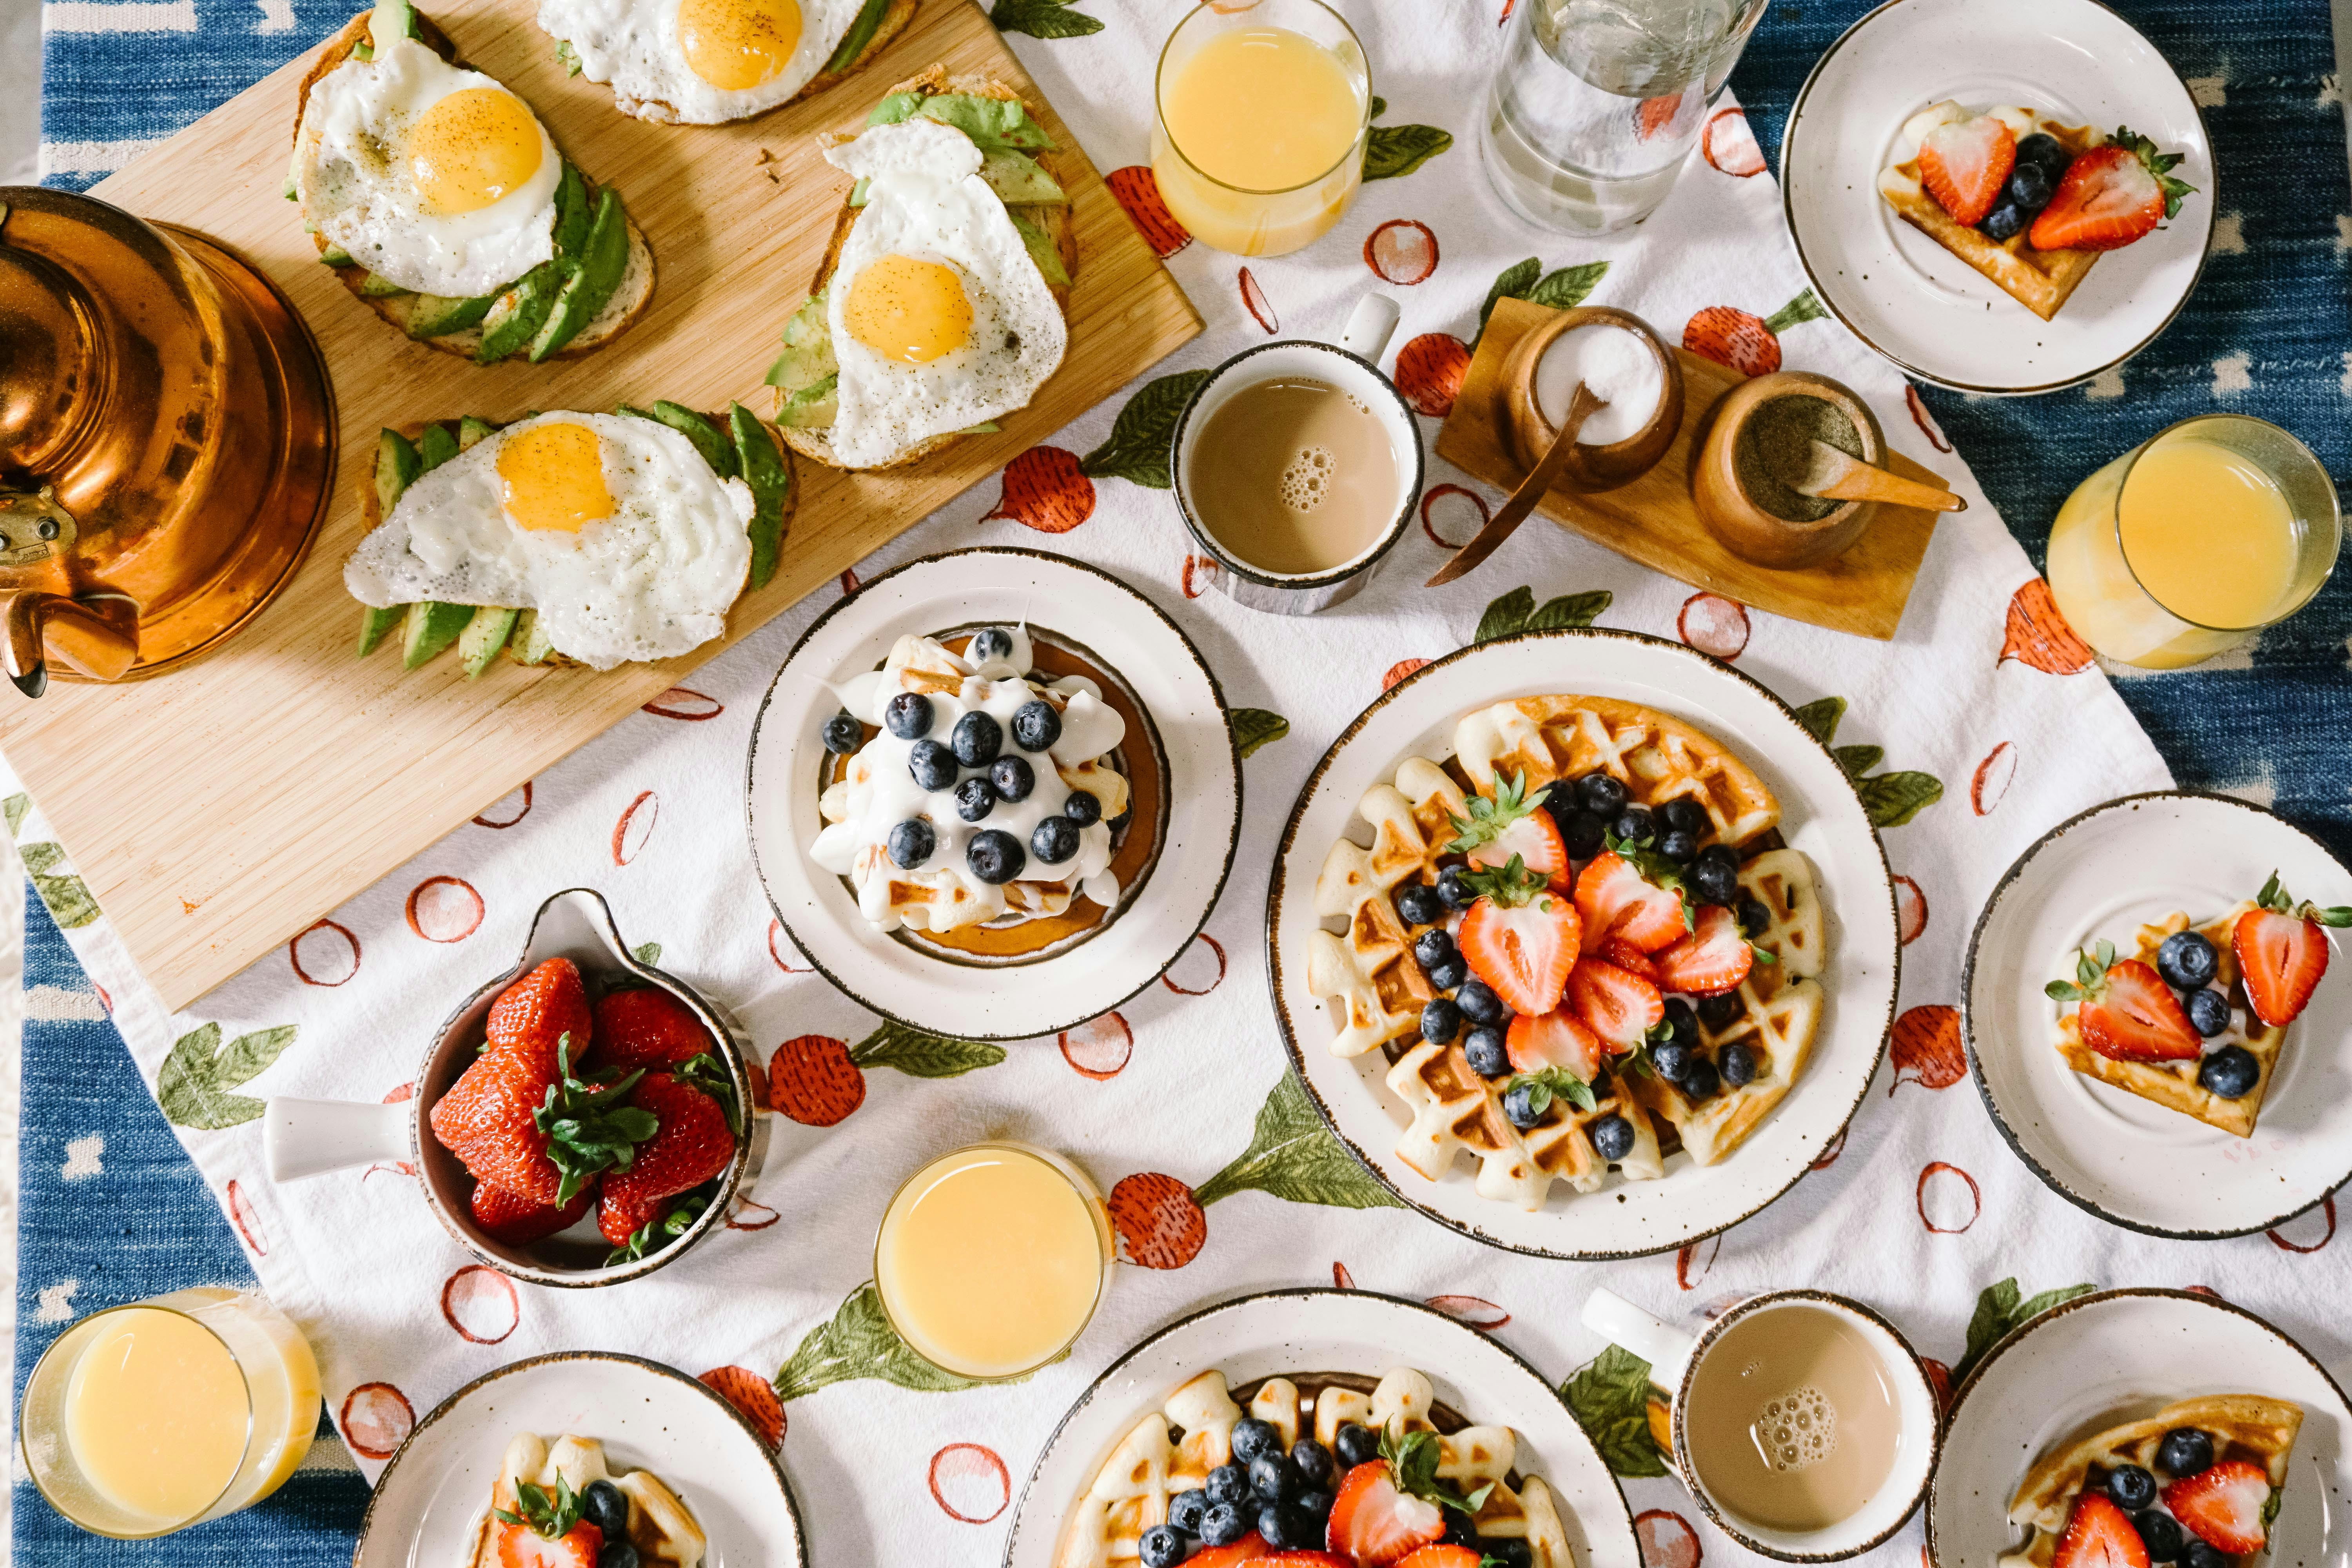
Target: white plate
<point>2121,1355</point>
<point>1294,1331</point>
<point>1821,816</point>
<point>1068,602</point>
<point>2126,1159</point>
<point>1909,297</point>
<point>648,1415</point>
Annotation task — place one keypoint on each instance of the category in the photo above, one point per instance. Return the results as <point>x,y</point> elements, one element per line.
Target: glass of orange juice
<point>991,1261</point>
<point>144,1419</point>
<point>2192,542</point>
<point>1264,105</point>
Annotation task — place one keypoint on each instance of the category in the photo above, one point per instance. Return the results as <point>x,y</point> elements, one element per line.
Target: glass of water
<point>1598,102</point>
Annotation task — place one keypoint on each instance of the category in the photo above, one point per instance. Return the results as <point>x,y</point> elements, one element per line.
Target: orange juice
<point>990,1260</point>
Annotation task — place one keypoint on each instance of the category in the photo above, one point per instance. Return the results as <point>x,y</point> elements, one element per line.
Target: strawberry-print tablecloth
<point>1981,725</point>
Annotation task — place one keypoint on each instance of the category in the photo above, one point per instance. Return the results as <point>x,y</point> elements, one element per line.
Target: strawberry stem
<point>1490,818</point>
<point>587,1125</point>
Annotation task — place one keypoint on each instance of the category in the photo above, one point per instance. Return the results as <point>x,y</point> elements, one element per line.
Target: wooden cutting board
<point>1651,520</point>
<point>217,811</point>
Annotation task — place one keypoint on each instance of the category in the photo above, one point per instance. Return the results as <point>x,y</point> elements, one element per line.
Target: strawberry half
<point>521,1547</point>
<point>2099,1535</point>
<point>2110,195</point>
<point>2223,1506</point>
<point>1519,937</point>
<point>1621,1008</point>
<point>1712,960</point>
<point>1964,164</point>
<point>1554,1039</point>
<point>2127,1013</point>
<point>1616,949</point>
<point>1511,824</point>
<point>1374,1524</point>
<point>1445,1554</point>
<point>1613,898</point>
<point>2282,949</point>
<point>1250,1548</point>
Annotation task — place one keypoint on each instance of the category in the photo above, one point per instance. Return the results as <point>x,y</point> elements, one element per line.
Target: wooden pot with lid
<point>167,441</point>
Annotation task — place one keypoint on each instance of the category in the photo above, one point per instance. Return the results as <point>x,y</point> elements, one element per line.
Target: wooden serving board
<point>217,811</point>
<point>1651,520</point>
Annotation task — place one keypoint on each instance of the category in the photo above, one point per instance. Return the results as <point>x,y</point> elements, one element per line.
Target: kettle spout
<point>97,636</point>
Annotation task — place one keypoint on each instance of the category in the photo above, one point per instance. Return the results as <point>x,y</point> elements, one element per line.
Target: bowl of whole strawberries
<point>582,1119</point>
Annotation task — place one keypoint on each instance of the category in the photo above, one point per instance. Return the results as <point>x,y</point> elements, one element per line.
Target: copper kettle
<point>167,441</point>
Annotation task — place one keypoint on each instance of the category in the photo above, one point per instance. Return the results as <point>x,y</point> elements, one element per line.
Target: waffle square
<point>2041,281</point>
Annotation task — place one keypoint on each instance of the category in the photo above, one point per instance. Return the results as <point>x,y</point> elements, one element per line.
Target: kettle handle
<point>97,636</point>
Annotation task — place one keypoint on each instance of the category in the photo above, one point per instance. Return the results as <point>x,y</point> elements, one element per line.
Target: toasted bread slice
<point>895,15</point>
<point>629,300</point>
<point>2040,281</point>
<point>1053,219</point>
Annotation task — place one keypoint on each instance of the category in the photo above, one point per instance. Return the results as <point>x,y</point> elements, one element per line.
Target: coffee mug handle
<point>1667,1350</point>
<point>1370,326</point>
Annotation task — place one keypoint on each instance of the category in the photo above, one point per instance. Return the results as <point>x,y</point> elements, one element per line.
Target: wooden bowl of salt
<point>1757,437</point>
<point>1625,361</point>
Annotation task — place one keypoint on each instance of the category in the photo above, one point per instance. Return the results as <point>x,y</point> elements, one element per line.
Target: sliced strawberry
<point>1619,1007</point>
<point>1614,899</point>
<point>1250,1548</point>
<point>2110,195</point>
<point>1510,824</point>
<point>1445,1554</point>
<point>1711,960</point>
<point>1554,1039</point>
<point>519,1221</point>
<point>2099,1535</point>
<point>1303,1558</point>
<point>2136,1018</point>
<point>1519,937</point>
<point>2223,1506</point>
<point>1964,165</point>
<point>1376,1524</point>
<point>2282,949</point>
<point>519,1546</point>
<point>1616,949</point>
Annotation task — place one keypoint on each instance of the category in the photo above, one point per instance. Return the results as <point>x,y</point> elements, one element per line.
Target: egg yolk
<point>472,147</point>
<point>554,477</point>
<point>908,310</point>
<point>737,43</point>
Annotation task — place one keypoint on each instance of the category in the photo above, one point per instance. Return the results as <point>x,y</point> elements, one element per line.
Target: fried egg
<point>613,527</point>
<point>699,62</point>
<point>435,178</point>
<point>939,319</point>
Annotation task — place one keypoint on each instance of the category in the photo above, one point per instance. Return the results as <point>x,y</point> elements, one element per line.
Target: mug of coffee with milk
<point>1802,1422</point>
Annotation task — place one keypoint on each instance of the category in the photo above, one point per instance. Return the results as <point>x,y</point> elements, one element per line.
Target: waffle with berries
<point>2210,1469</point>
<point>1381,1507</point>
<point>543,1510</point>
<point>2041,281</point>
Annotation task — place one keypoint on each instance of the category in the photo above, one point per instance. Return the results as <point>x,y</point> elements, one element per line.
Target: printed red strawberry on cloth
<point>2282,948</point>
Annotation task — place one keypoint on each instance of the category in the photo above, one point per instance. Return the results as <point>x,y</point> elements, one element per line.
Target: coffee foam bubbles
<point>1307,478</point>
<point>1796,1429</point>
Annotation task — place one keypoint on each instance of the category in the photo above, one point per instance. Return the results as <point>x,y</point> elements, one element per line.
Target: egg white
<point>633,45</point>
<point>652,580</point>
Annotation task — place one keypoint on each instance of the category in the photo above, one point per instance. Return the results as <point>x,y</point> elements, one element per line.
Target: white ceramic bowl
<point>1821,816</point>
<point>2126,1158</point>
<point>648,1415</point>
<point>1065,601</point>
<point>1294,1332</point>
<point>1907,297</point>
<point>2120,1355</point>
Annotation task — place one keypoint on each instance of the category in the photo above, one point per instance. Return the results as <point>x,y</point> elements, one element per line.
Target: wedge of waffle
<point>2173,1084</point>
<point>661,1528</point>
<point>1170,1450</point>
<point>2040,281</point>
<point>2248,1427</point>
<point>1657,757</point>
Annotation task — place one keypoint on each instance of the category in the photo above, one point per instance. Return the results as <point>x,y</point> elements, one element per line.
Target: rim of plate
<point>1376,1299</point>
<point>2018,1335</point>
<point>1232,832</point>
<point>1992,905</point>
<point>1290,1035</point>
<point>383,1482</point>
<point>1824,292</point>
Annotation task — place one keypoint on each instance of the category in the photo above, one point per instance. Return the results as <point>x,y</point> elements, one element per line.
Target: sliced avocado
<point>483,636</point>
<point>378,621</point>
<point>432,627</point>
<point>715,449</point>
<point>438,315</point>
<point>1042,250</point>
<point>1019,179</point>
<point>436,445</point>
<point>857,192</point>
<point>567,57</point>
<point>391,19</point>
<point>770,480</point>
<point>812,407</point>
<point>631,411</point>
<point>376,287</point>
<point>573,213</point>
<point>516,315</point>
<point>528,642</point>
<point>808,357</point>
<point>397,465</point>
<point>334,256</point>
<point>985,428</point>
<point>602,264</point>
<point>473,429</point>
<point>990,122</point>
<point>861,33</point>
<point>894,110</point>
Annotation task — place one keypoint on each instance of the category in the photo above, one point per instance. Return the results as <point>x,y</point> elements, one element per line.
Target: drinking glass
<point>1597,102</point>
<point>2103,596</point>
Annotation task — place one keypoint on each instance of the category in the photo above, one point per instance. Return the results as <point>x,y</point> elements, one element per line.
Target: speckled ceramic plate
<point>2121,1355</point>
<point>2124,1158</point>
<point>1821,816</point>
<point>1297,1332</point>
<point>648,1415</point>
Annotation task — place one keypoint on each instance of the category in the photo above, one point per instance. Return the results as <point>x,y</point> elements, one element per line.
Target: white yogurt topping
<point>1617,366</point>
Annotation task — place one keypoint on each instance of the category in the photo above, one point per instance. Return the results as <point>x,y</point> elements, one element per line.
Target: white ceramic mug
<point>1674,1359</point>
<point>1351,365</point>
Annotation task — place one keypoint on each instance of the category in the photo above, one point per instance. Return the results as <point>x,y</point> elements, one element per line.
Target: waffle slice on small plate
<point>2040,281</point>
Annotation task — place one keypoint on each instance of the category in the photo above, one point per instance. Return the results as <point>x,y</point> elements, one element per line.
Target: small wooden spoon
<point>1580,407</point>
<point>1833,475</point>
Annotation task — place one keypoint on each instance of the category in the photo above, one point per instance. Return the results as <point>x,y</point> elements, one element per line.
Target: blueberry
<point>1419,904</point>
<point>2201,1555</point>
<point>1441,1020</point>
<point>1162,1546</point>
<point>1036,726</point>
<point>2030,187</point>
<point>1717,1010</point>
<point>1274,1526</point>
<point>1509,1551</point>
<point>2232,1073</point>
<point>1254,1438</point>
<point>2042,151</point>
<point>842,734</point>
<point>1270,1478</point>
<point>1489,1056</point>
<point>1481,1005</point>
<point>2159,1533</point>
<point>1672,1059</point>
<point>1014,778</point>
<point>2005,222</point>
<point>1683,814</point>
<point>1084,808</point>
<point>1310,1461</point>
<point>1185,1509</point>
<point>1054,840</point>
<point>1600,794</point>
<point>618,1554</point>
<point>909,716</point>
<point>1224,1523</point>
<point>2185,1452</point>
<point>996,856</point>
<point>1117,825</point>
<point>2186,961</point>
<point>1737,1063</point>
<point>974,798</point>
<point>932,765</point>
<point>2208,1010</point>
<point>1634,824</point>
<point>2132,1488</point>
<point>990,643</point>
<point>1446,976</point>
<point>1722,852</point>
<point>1453,890</point>
<point>911,843</point>
<point>1681,1022</point>
<point>1698,1080</point>
<point>1432,948</point>
<point>1679,847</point>
<point>1459,1529</point>
<point>976,739</point>
<point>1612,1137</point>
<point>1316,1506</point>
<point>1712,881</point>
<point>1356,1444</point>
<point>1755,920</point>
<point>1227,1484</point>
<point>602,1505</point>
<point>1582,833</point>
<point>1519,1106</point>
